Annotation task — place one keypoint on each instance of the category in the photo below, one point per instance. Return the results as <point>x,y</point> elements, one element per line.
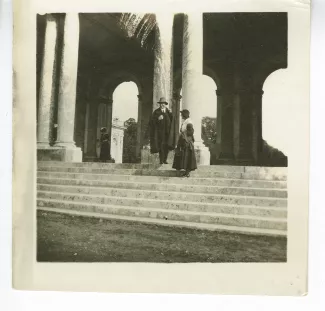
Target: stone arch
<point>110,83</point>
<point>207,71</point>
<point>269,154</point>
<point>265,70</point>
<point>276,105</point>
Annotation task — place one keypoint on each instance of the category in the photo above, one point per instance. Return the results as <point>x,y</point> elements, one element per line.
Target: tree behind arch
<point>130,141</point>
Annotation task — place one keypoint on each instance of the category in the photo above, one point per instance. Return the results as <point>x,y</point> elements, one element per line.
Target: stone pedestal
<point>117,136</point>
<point>202,154</point>
<point>148,158</point>
<point>59,154</point>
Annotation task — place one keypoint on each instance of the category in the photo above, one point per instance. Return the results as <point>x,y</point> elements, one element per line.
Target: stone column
<point>243,126</point>
<point>91,133</point>
<point>247,120</point>
<point>46,94</point>
<point>109,113</point>
<point>225,126</point>
<point>257,125</point>
<point>163,71</point>
<point>101,122</point>
<point>67,89</point>
<point>139,129</point>
<point>191,79</point>
<point>176,111</point>
<point>87,119</point>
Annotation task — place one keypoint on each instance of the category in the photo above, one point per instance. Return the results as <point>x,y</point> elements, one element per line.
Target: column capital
<point>177,96</point>
<point>239,91</point>
<point>221,92</point>
<point>105,100</point>
<point>50,17</point>
<point>247,91</point>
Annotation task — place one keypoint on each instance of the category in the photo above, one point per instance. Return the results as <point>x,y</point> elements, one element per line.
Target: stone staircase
<point>250,200</point>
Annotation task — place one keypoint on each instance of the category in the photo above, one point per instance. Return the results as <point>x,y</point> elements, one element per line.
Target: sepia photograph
<point>161,148</point>
<point>156,138</point>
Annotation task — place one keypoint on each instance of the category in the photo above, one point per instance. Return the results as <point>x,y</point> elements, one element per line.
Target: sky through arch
<point>125,101</point>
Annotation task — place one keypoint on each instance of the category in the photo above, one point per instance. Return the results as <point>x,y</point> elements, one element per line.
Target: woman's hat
<point>162,101</point>
<point>185,111</point>
<point>103,129</point>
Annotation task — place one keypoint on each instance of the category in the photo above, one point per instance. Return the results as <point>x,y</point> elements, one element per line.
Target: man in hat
<point>161,136</point>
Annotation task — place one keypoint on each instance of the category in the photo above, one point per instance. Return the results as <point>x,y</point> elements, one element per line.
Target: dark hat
<point>103,129</point>
<point>185,113</point>
<point>162,100</point>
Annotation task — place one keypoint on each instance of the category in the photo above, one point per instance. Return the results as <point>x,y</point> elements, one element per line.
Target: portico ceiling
<point>103,41</point>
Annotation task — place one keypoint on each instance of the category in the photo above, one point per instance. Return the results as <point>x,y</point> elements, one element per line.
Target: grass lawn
<point>66,238</point>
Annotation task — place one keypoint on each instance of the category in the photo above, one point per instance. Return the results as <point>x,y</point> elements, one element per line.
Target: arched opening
<point>209,112</point>
<point>277,109</point>
<point>124,126</point>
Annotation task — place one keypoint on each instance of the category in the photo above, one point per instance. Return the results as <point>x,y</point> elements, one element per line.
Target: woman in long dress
<point>104,146</point>
<point>185,154</point>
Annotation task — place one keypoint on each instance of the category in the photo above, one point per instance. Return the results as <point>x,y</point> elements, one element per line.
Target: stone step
<point>200,208</point>
<point>260,192</point>
<point>167,195</point>
<point>224,168</point>
<point>136,166</point>
<point>41,164</point>
<point>171,223</point>
<point>222,182</point>
<point>255,175</point>
<point>271,172</point>
<point>176,215</point>
<point>165,204</point>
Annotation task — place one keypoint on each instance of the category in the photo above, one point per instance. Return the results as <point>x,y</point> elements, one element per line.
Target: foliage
<point>130,141</point>
<point>209,131</point>
<point>272,156</point>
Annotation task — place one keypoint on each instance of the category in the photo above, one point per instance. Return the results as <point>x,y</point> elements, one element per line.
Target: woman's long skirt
<point>185,159</point>
<point>105,152</point>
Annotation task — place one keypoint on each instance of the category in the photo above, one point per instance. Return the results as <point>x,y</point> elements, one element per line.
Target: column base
<point>73,154</point>
<point>147,157</point>
<point>245,160</point>
<point>90,158</point>
<point>202,154</point>
<point>225,158</point>
<point>43,145</point>
<point>153,158</point>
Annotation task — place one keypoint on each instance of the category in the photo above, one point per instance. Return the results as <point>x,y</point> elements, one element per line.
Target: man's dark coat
<point>161,131</point>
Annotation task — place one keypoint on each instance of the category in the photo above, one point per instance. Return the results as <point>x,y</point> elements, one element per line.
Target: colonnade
<point>239,103</point>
